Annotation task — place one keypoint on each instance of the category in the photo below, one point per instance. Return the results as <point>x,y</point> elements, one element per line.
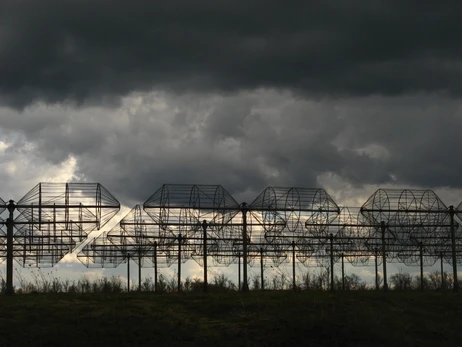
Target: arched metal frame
<point>282,225</point>
<point>52,220</point>
<point>291,224</point>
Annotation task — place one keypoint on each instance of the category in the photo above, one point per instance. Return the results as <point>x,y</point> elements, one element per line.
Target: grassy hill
<point>308,318</point>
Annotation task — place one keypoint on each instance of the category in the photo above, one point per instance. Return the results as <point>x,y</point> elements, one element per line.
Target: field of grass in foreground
<point>233,319</point>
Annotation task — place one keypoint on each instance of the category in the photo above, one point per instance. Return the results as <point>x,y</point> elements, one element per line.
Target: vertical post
<point>384,256</point>
<point>421,266</point>
<point>180,238</point>
<point>128,273</point>
<point>204,228</point>
<point>343,273</point>
<point>376,269</point>
<point>442,272</point>
<point>294,284</point>
<point>28,234</point>
<point>239,271</point>
<point>66,209</point>
<point>328,278</point>
<point>155,266</point>
<point>9,248</point>
<point>244,209</point>
<point>54,225</point>
<point>139,271</point>
<point>40,206</point>
<point>453,243</point>
<point>332,284</point>
<point>261,270</point>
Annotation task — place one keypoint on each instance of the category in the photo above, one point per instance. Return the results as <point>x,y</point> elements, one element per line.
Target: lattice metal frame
<point>53,219</point>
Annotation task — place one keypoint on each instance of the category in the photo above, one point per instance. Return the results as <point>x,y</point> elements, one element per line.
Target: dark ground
<point>233,319</point>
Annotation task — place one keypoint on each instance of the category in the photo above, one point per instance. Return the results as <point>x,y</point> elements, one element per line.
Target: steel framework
<point>410,226</point>
<point>53,218</point>
<point>283,225</point>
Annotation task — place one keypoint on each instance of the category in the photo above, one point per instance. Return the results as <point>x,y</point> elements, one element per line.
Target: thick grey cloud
<point>93,52</point>
<point>246,141</point>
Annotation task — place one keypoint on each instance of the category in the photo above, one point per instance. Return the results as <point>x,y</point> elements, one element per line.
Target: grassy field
<point>233,319</point>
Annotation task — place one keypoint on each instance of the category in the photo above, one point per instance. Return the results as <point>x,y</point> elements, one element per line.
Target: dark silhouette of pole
<point>442,273</point>
<point>180,238</point>
<point>261,269</point>
<point>453,243</point>
<point>204,229</point>
<point>376,269</point>
<point>421,266</point>
<point>155,266</point>
<point>244,210</point>
<point>9,248</point>
<point>294,285</point>
<point>139,271</point>
<point>343,273</point>
<point>239,271</point>
<point>384,256</point>
<point>331,238</point>
<point>128,273</point>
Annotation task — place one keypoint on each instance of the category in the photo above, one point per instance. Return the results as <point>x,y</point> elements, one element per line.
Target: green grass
<point>233,319</point>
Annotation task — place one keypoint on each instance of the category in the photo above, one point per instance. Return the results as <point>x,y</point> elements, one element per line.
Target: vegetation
<point>318,318</point>
<point>49,283</point>
<point>100,313</point>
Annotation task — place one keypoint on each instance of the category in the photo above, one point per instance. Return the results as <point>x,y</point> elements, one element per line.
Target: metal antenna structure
<point>99,252</point>
<point>409,222</point>
<point>285,215</point>
<point>192,213</point>
<point>53,219</point>
<point>204,223</point>
<point>142,240</point>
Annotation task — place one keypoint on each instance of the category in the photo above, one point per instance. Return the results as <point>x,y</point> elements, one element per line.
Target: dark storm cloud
<point>95,51</point>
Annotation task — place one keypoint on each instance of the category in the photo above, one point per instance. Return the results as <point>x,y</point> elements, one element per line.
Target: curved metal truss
<point>90,205</point>
<point>56,217</point>
<point>100,252</point>
<point>53,219</point>
<point>413,227</point>
<point>290,212</point>
<point>411,218</point>
<point>204,223</point>
<point>182,208</point>
<point>284,224</point>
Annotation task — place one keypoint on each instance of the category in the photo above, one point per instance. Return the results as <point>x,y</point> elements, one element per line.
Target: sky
<point>246,94</point>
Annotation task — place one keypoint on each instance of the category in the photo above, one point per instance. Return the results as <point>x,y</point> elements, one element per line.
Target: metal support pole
<point>421,266</point>
<point>442,273</point>
<point>139,271</point>
<point>244,209</point>
<point>128,273</point>
<point>332,284</point>
<point>343,272</point>
<point>384,257</point>
<point>376,270</point>
<point>155,266</point>
<point>453,242</point>
<point>261,269</point>
<point>180,238</point>
<point>294,285</point>
<point>204,228</point>
<point>239,271</point>
<point>9,248</point>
